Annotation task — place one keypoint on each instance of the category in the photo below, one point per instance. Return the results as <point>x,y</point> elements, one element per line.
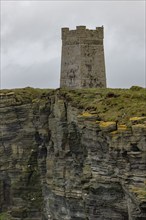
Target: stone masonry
<point>82,64</point>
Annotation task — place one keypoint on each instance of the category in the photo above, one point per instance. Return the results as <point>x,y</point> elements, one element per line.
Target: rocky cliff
<point>73,154</point>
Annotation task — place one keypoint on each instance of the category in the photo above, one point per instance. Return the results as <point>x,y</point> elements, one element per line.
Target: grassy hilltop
<point>108,104</point>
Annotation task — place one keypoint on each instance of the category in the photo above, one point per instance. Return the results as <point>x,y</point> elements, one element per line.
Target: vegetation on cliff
<point>24,95</point>
<point>107,104</point>
<point>5,216</point>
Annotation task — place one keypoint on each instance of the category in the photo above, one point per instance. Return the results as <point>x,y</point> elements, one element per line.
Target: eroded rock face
<point>59,164</point>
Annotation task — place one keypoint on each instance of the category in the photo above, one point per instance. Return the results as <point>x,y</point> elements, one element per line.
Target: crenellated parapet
<point>83,32</point>
<point>82,35</point>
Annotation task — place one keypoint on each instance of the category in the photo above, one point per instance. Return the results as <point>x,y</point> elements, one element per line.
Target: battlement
<point>81,32</point>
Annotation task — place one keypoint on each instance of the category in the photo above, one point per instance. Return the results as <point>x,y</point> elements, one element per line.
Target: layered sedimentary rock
<point>60,162</point>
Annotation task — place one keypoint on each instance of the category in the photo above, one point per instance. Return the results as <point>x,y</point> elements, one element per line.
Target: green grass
<point>108,104</point>
<point>25,95</point>
<point>4,216</point>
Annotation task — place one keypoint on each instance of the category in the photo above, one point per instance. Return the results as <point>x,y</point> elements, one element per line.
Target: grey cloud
<point>31,40</point>
<point>43,75</point>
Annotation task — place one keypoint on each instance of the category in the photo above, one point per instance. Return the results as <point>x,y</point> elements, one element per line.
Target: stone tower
<point>82,64</point>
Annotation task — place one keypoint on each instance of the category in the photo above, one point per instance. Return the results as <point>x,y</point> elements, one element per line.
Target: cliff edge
<point>73,154</point>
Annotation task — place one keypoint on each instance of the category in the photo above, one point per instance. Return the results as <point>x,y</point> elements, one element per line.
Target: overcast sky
<point>31,40</point>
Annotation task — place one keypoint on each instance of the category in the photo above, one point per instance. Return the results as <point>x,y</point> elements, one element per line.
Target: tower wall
<point>82,63</point>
